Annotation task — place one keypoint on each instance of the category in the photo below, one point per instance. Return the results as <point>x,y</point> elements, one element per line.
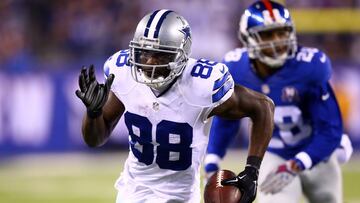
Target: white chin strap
<point>155,83</point>
<point>274,62</point>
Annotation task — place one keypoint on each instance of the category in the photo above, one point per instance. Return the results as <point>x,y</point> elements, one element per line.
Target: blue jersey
<point>307,119</point>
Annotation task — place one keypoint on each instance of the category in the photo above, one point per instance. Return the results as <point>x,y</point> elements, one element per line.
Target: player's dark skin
<point>262,69</point>
<point>97,127</point>
<point>160,58</point>
<point>243,102</point>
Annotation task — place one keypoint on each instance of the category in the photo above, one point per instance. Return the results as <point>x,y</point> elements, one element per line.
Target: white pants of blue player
<point>323,183</point>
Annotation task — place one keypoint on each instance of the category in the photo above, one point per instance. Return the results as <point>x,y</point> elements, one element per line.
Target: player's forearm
<point>327,129</point>
<point>262,128</point>
<point>95,131</point>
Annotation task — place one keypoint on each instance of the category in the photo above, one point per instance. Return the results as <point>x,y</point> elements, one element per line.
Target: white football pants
<point>132,193</point>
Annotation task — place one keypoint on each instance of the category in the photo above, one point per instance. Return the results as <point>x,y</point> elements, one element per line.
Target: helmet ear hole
<point>243,38</point>
<point>290,28</point>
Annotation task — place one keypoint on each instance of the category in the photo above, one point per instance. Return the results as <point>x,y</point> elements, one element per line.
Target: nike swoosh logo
<point>325,96</point>
<point>233,181</point>
<point>323,58</point>
<point>241,177</point>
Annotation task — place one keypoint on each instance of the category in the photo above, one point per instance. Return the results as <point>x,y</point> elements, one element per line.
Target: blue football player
<point>308,125</point>
<point>167,100</point>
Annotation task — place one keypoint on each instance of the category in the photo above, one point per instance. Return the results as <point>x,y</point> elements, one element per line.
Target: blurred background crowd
<point>45,43</point>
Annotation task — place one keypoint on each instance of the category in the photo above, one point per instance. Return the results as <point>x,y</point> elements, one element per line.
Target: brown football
<point>216,193</point>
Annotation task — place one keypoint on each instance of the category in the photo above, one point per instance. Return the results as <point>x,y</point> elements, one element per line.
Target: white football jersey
<point>168,135</point>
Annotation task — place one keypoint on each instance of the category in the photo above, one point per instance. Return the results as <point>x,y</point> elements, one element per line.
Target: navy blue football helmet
<point>266,16</point>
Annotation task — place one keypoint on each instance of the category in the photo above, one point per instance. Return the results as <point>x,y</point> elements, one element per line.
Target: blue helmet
<point>264,16</point>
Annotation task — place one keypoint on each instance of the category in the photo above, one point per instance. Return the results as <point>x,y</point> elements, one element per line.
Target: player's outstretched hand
<point>282,176</point>
<point>246,181</point>
<point>93,94</point>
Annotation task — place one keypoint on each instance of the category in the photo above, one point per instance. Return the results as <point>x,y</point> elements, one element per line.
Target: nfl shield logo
<point>290,94</point>
<point>156,106</point>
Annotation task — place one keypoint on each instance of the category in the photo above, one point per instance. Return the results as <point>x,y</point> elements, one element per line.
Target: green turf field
<point>89,178</point>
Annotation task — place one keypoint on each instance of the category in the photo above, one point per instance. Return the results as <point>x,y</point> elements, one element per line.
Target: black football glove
<point>93,94</point>
<point>246,181</point>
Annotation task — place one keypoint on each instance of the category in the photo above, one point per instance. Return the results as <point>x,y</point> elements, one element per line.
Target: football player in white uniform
<point>167,100</point>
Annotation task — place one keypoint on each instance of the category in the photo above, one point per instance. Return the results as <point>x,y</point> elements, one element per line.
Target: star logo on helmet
<point>186,31</point>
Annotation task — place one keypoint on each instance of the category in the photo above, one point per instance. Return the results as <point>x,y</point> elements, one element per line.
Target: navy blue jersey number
<point>140,132</point>
<point>122,58</point>
<point>203,68</point>
<point>173,142</point>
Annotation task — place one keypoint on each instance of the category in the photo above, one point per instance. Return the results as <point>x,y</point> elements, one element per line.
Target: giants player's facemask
<point>267,31</point>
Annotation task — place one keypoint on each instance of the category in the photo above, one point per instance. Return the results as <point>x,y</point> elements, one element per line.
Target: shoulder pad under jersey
<point>118,65</point>
<point>315,64</point>
<point>206,83</point>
